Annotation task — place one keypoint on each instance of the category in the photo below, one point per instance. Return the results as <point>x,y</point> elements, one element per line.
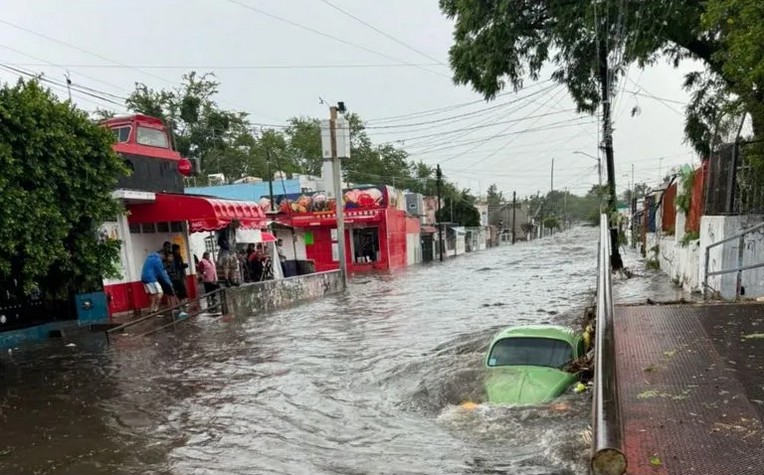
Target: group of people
<point>164,271</point>
<point>164,276</point>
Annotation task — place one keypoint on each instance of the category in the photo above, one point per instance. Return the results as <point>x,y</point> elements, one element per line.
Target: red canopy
<point>202,213</point>
<point>267,237</point>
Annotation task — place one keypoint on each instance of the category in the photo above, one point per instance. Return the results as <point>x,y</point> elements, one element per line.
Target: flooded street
<point>368,382</point>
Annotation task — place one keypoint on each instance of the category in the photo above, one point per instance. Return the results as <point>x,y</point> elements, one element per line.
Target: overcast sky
<point>275,59</point>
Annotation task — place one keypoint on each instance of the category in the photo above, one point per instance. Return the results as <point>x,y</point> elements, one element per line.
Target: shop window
<point>176,227</point>
<point>366,244</point>
<point>135,228</point>
<point>148,228</point>
<point>211,245</point>
<point>163,227</point>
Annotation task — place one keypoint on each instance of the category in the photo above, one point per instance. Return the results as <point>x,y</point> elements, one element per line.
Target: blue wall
<point>247,191</point>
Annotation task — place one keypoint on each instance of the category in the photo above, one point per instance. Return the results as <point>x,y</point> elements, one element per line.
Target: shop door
<point>427,247</point>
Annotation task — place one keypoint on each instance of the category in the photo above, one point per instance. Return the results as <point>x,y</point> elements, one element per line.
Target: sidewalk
<point>691,383</point>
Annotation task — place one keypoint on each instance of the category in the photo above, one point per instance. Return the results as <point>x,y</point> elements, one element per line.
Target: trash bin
<point>92,307</point>
<point>306,267</point>
<point>290,268</point>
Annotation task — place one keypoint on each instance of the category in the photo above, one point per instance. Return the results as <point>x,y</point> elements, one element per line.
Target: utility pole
<point>514,215</point>
<point>270,177</point>
<point>68,85</point>
<point>633,207</point>
<point>607,130</point>
<point>339,205</point>
<point>551,185</point>
<point>438,177</point>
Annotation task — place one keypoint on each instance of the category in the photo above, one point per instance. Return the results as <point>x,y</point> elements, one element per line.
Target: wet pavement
<point>368,382</point>
<point>690,378</point>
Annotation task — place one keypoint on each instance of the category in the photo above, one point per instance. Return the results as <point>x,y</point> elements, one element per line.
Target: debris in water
<point>468,405</point>
<point>70,345</point>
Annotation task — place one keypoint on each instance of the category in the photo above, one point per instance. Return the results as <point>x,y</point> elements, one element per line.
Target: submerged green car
<point>526,364</point>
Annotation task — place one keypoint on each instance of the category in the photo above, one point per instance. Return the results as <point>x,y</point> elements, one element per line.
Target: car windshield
<point>530,352</point>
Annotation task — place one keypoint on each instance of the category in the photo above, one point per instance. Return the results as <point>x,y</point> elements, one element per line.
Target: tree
<point>499,43</point>
<point>200,128</point>
<point>57,172</point>
<point>494,196</point>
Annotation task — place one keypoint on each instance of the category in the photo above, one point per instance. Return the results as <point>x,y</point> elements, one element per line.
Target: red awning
<point>267,237</point>
<point>202,213</point>
<point>429,229</point>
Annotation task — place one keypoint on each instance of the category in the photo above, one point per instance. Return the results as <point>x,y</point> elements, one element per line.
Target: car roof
<point>554,332</point>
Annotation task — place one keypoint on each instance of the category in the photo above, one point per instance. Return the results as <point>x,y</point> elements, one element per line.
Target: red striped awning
<point>202,213</point>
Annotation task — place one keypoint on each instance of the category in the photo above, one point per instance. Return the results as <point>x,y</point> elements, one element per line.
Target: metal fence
<point>734,187</point>
<point>739,267</point>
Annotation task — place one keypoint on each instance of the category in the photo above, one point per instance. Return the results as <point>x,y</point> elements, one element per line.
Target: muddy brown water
<point>368,382</point>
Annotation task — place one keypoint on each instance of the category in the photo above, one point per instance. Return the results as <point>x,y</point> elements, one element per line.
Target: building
<point>159,210</point>
<point>379,233</point>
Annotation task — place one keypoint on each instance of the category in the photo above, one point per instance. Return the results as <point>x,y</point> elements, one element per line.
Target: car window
<point>152,137</point>
<point>530,351</point>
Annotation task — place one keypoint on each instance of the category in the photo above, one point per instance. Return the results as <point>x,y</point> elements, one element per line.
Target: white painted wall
<point>725,256</point>
<point>413,249</point>
<point>143,244</point>
<point>299,244</point>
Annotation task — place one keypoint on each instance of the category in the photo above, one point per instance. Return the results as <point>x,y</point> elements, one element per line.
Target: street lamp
<point>599,164</point>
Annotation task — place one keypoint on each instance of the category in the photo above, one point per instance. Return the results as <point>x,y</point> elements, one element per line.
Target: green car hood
<point>523,385</point>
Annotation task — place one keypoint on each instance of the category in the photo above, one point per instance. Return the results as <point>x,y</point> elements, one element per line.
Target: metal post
<point>739,273</point>
<point>514,220</point>
<point>339,205</point>
<point>705,277</point>
<point>438,176</point>
<point>270,177</point>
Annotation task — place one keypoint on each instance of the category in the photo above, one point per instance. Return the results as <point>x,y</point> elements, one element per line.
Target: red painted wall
<point>392,244</point>
<point>697,201</point>
<point>129,296</point>
<point>669,209</point>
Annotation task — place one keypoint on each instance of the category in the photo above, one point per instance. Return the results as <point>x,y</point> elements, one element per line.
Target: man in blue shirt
<point>155,280</point>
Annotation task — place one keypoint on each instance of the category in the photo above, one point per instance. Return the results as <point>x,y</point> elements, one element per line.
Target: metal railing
<point>739,268</point>
<point>218,294</point>
<point>607,456</point>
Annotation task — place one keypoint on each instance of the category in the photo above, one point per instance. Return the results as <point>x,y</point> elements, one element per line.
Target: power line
<point>235,66</point>
<point>327,35</point>
<point>447,108</point>
<point>386,35</point>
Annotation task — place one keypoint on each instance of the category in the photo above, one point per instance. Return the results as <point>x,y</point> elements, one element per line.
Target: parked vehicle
<point>527,364</point>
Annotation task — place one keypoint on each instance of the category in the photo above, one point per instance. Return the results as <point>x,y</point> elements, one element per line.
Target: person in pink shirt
<point>208,271</point>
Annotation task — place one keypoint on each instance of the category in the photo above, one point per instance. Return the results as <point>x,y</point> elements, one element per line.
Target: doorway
<point>366,245</point>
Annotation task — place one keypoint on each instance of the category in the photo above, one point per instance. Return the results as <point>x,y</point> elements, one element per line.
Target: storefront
<point>154,218</point>
<point>376,228</point>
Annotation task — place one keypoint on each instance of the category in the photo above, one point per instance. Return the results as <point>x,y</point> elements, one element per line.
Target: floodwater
<point>368,382</point>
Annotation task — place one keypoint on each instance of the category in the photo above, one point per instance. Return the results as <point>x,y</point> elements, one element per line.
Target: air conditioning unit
<point>415,204</point>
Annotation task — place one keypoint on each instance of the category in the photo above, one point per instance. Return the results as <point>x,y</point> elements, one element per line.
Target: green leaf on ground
<point>754,336</point>
<point>655,461</point>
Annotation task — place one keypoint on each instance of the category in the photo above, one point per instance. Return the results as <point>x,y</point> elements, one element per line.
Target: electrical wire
<point>386,35</point>
<point>331,37</point>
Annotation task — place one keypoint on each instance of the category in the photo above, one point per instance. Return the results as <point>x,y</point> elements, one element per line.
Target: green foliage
<point>57,172</point>
<point>498,44</point>
<point>684,196</point>
<point>552,222</point>
<point>494,196</point>
<point>689,237</point>
<point>459,207</point>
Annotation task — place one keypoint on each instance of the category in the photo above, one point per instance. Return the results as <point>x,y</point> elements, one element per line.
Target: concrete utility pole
<point>438,177</point>
<point>514,215</point>
<point>607,130</point>
<point>339,205</point>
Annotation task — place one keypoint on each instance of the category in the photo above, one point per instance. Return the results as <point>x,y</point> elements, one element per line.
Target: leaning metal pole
<point>607,451</point>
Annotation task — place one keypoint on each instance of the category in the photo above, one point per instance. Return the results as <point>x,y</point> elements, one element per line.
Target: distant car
<point>526,364</point>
